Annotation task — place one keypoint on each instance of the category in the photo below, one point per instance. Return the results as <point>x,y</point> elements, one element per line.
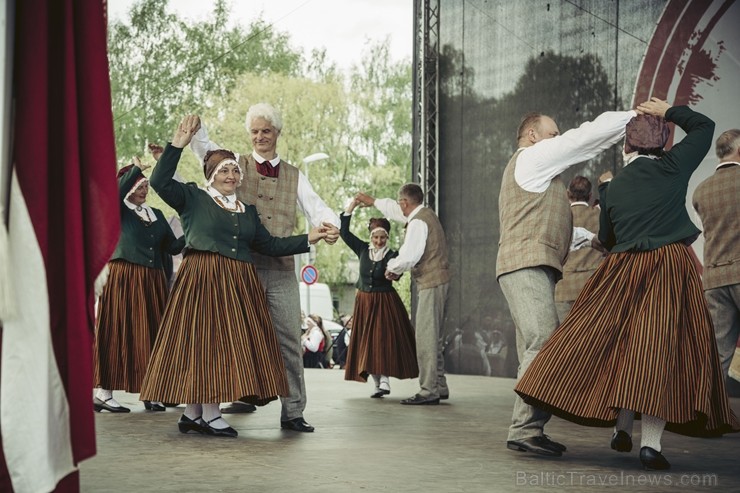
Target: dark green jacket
<point>372,274</point>
<point>141,244</point>
<point>211,228</point>
<point>644,206</point>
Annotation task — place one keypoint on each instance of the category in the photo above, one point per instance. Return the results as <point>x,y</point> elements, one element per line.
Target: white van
<point>317,299</point>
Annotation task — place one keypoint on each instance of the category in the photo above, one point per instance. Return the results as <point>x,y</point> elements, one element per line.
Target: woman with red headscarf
<point>134,296</point>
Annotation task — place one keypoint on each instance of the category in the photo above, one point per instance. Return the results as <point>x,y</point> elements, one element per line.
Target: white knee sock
<point>376,379</point>
<point>652,431</point>
<point>385,383</point>
<point>193,411</point>
<point>107,397</point>
<point>212,416</point>
<point>103,394</point>
<point>625,420</point>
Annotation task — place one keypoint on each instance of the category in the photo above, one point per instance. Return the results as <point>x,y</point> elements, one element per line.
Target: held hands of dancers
<point>185,131</point>
<point>327,231</point>
<point>364,199</point>
<point>137,162</point>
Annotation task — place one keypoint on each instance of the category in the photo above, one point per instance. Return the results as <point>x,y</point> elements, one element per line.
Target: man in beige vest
<point>583,259</point>
<point>717,201</point>
<point>536,229</point>
<point>278,190</point>
<point>424,253</point>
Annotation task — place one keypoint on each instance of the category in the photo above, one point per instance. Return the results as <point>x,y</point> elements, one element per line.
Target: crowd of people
<point>611,289</point>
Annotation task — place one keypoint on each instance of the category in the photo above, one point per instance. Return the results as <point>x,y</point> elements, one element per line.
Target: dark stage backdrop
<point>572,60</point>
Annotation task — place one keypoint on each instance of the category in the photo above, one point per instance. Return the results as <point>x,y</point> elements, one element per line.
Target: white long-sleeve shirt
<point>416,236</point>
<point>538,164</point>
<point>308,201</point>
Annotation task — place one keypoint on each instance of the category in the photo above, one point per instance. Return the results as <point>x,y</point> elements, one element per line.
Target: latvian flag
<point>58,189</point>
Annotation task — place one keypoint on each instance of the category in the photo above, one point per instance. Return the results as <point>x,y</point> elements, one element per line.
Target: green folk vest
<point>433,269</point>
<point>535,228</point>
<point>275,200</point>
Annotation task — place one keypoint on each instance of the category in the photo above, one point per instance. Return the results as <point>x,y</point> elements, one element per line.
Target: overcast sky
<point>341,26</point>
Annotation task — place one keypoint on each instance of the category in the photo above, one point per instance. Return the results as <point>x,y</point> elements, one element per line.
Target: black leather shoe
<point>621,441</point>
<point>153,406</point>
<point>420,400</point>
<point>444,397</point>
<point>239,407</point>
<point>652,460</point>
<point>534,445</point>
<point>227,432</point>
<point>185,424</point>
<point>547,443</point>
<point>296,424</point>
<point>380,393</point>
<point>99,405</point>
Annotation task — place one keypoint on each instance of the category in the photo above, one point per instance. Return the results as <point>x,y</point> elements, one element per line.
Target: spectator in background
<point>315,341</point>
<point>717,201</point>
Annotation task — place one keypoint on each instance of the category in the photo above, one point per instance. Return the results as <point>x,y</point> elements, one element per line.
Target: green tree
<point>162,67</point>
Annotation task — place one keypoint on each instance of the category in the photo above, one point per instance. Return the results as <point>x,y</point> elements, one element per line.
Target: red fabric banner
<point>64,158</point>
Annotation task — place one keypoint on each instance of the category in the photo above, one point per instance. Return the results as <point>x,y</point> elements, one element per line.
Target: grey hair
<point>266,111</point>
<point>727,142</point>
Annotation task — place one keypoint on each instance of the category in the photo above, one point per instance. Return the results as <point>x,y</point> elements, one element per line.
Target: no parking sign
<point>309,274</point>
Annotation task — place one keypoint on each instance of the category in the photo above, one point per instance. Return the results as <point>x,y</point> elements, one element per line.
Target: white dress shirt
<point>538,164</point>
<point>308,201</point>
<point>416,236</point>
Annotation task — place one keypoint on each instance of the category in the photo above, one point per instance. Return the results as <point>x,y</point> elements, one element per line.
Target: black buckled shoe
<point>380,393</point>
<point>652,460</point>
<point>296,424</point>
<point>534,445</point>
<point>185,424</point>
<point>227,432</point>
<point>621,441</point>
<point>99,405</point>
<point>154,406</point>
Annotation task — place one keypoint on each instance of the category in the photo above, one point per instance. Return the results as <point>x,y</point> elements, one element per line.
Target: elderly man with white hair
<point>278,190</point>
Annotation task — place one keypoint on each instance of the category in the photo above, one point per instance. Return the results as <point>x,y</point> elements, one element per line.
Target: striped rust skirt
<point>129,311</point>
<point>216,342</point>
<point>382,341</point>
<point>639,337</point>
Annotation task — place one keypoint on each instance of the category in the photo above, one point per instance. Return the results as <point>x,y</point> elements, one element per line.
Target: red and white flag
<point>63,226</point>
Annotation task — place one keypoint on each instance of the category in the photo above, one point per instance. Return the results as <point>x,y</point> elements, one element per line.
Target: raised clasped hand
<point>332,233</point>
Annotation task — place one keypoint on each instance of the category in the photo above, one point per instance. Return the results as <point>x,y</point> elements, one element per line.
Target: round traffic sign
<point>309,274</point>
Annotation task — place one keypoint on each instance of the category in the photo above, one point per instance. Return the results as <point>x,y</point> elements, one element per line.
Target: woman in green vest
<point>134,296</point>
<point>216,342</point>
<point>382,336</point>
<point>639,338</point>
